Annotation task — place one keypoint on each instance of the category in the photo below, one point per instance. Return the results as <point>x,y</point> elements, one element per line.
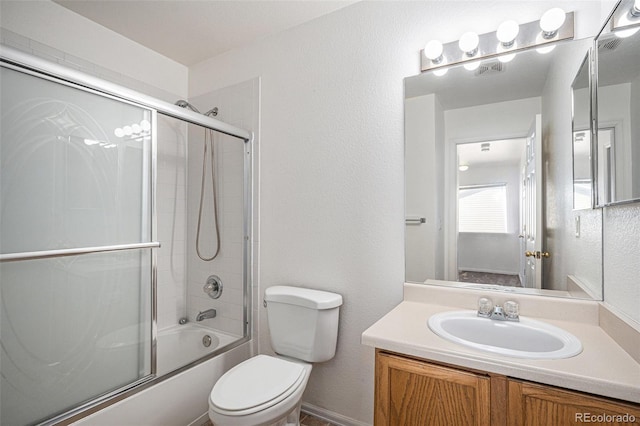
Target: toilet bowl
<point>267,390</point>
<point>263,390</point>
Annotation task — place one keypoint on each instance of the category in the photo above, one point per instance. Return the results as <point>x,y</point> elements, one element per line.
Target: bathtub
<point>183,398</point>
<point>182,344</point>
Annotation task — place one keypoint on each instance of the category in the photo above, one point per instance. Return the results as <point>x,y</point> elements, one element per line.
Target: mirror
<point>582,177</point>
<point>489,178</point>
<point>618,108</point>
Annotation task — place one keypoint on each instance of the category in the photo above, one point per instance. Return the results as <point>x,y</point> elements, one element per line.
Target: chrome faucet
<point>209,313</point>
<point>510,311</point>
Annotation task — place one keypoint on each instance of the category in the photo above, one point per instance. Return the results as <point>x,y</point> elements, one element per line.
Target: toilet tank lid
<point>314,299</point>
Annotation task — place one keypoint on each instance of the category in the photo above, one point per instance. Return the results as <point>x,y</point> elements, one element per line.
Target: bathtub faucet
<point>209,313</point>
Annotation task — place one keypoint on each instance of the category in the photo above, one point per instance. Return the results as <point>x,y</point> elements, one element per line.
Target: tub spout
<point>209,313</point>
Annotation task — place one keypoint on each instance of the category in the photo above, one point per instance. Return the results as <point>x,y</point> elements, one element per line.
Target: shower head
<point>184,104</point>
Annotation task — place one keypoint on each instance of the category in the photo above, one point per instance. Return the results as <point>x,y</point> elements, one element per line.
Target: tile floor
<point>305,420</point>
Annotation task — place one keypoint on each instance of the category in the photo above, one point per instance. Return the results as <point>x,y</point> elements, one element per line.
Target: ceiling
<point>191,31</point>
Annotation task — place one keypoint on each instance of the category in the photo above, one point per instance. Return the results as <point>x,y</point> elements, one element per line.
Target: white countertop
<point>603,368</point>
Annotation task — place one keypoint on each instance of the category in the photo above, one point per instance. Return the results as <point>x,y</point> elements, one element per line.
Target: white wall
<point>331,184</point>
<point>570,255</point>
<point>423,242</point>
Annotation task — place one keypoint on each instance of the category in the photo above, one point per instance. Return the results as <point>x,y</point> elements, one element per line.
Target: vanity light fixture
<point>626,19</point>
<point>468,43</point>
<point>433,51</point>
<point>507,40</point>
<point>551,22</point>
<point>507,33</point>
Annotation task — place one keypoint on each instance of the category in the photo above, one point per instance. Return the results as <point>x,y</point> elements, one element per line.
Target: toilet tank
<point>303,323</point>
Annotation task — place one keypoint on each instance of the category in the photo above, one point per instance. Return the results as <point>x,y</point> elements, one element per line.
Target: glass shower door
<point>76,239</point>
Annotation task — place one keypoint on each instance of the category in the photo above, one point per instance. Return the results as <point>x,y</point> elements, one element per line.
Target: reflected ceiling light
<point>440,72</point>
<point>468,43</point>
<point>485,147</point>
<point>463,167</point>
<point>472,66</point>
<point>551,22</point>
<point>507,33</point>
<point>433,51</point>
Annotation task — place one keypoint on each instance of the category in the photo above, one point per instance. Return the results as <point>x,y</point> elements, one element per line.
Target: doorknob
<point>538,254</point>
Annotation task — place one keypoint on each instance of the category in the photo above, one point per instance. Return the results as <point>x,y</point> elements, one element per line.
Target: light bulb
<point>433,51</point>
<point>127,130</point>
<point>136,129</point>
<point>507,32</point>
<point>472,66</point>
<point>463,167</point>
<point>440,72</point>
<point>118,132</point>
<point>468,43</point>
<point>551,21</point>
<point>145,125</point>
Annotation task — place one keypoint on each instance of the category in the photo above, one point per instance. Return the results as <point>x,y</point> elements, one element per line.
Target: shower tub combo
<point>114,248</point>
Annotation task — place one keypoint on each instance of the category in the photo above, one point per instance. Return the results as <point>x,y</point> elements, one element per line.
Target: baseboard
<point>330,416</point>
<point>200,421</point>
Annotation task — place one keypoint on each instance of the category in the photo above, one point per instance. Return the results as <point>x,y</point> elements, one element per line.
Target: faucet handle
<point>511,310</point>
<point>485,307</point>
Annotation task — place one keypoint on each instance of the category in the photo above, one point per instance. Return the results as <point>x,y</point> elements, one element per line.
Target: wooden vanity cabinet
<point>414,392</point>
<point>534,404</point>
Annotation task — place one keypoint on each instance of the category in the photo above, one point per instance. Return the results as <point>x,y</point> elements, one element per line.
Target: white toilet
<point>267,390</point>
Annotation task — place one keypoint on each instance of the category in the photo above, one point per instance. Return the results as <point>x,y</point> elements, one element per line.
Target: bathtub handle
<point>213,287</point>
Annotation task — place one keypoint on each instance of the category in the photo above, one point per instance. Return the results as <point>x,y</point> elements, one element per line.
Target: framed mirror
<point>583,184</point>
<point>618,108</point>
<point>489,178</point>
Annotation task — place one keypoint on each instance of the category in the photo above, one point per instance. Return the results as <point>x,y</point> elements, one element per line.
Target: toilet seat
<point>255,385</point>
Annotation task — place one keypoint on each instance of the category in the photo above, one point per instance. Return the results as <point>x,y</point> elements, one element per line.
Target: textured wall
<point>331,186</point>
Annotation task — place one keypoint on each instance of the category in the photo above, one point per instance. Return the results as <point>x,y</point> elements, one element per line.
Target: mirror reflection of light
<point>440,72</point>
<point>128,131</point>
<point>136,128</point>
<point>463,167</point>
<point>145,125</point>
<point>546,49</point>
<point>627,33</point>
<point>118,132</point>
<point>90,142</point>
<point>506,58</point>
<point>472,66</point>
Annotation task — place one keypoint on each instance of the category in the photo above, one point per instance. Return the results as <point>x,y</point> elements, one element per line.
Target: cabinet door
<point>413,393</point>
<point>533,405</point>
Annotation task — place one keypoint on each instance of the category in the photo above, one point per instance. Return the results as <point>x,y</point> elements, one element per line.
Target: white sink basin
<point>524,339</point>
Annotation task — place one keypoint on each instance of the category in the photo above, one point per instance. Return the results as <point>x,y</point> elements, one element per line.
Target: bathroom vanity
<point>421,378</point>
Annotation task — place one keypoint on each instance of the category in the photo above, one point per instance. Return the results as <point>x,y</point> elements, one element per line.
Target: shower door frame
<point>24,62</point>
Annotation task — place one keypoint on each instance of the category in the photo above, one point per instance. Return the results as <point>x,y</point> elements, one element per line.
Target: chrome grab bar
<point>74,251</point>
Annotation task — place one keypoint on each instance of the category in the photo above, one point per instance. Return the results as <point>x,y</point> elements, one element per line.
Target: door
<point>531,214</point>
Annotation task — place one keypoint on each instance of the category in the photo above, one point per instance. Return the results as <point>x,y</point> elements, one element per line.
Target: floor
<point>305,420</point>
<point>487,278</point>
